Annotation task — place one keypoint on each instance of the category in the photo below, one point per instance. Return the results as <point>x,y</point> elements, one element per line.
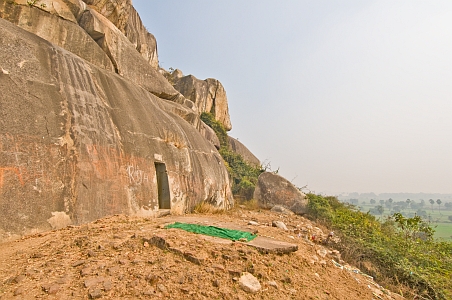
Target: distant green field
<point>443,230</point>
<point>439,219</point>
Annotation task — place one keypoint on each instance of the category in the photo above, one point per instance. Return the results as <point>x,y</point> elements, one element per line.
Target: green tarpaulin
<point>224,233</point>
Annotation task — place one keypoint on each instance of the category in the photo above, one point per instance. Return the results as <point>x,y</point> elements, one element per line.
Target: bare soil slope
<point>117,258</point>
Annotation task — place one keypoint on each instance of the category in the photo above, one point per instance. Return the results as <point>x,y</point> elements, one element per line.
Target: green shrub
<point>243,175</point>
<point>402,249</point>
<point>219,129</point>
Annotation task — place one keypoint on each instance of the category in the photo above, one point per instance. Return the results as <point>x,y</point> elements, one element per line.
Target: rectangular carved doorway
<point>163,186</point>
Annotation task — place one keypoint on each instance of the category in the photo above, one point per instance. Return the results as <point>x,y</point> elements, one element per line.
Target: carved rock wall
<point>78,142</point>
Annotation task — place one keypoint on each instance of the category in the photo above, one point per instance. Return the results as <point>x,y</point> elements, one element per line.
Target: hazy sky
<point>341,96</point>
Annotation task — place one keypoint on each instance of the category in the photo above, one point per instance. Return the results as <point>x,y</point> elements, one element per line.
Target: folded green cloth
<point>224,233</point>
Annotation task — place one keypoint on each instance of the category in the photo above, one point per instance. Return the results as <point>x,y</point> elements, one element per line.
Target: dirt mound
<point>134,258</point>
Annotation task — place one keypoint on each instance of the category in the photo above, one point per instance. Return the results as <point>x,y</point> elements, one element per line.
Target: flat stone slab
<point>267,245</point>
<point>262,244</point>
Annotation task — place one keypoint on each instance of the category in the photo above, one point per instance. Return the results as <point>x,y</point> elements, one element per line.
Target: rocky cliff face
<point>89,127</point>
<point>243,151</point>
<point>208,95</point>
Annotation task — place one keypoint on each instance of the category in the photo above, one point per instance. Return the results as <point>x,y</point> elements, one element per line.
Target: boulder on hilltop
<point>273,189</point>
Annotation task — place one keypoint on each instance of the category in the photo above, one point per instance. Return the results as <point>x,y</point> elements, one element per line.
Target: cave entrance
<point>163,186</point>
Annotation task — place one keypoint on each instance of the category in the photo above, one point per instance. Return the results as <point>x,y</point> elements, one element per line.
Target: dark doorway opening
<point>163,186</point>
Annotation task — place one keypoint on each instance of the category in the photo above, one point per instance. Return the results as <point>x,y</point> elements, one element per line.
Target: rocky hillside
<point>125,257</point>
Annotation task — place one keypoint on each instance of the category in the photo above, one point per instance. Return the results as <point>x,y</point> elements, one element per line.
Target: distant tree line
<point>413,207</point>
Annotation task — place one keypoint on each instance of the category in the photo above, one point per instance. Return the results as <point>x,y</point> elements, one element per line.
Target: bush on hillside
<point>402,249</point>
<point>242,174</point>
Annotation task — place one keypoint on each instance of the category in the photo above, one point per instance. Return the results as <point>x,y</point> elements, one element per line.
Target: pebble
<point>279,224</point>
<point>234,273</point>
<point>19,291</point>
<point>19,278</point>
<point>249,283</point>
<point>149,291</point>
<point>152,279</point>
<point>162,288</point>
<point>50,289</point>
<point>93,281</point>
<point>273,284</point>
<point>79,263</point>
<point>85,272</point>
<point>218,267</point>
<point>216,283</point>
<point>287,280</point>
<point>95,293</point>
<point>322,252</point>
<point>108,285</point>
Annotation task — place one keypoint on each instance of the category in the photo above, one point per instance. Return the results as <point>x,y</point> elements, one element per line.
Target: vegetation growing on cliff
<point>399,248</point>
<point>243,175</point>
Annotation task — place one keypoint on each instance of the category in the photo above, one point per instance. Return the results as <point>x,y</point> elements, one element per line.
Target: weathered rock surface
<point>272,189</point>
<point>241,149</point>
<point>126,60</point>
<point>63,32</point>
<point>116,11</point>
<point>208,95</point>
<point>124,17</point>
<point>82,141</point>
<point>193,118</point>
<point>96,39</point>
<point>144,42</point>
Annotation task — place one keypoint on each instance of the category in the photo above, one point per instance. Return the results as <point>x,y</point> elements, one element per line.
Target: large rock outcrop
<point>272,189</point>
<point>123,16</point>
<point>208,95</point>
<point>56,26</point>
<point>78,142</point>
<point>144,42</point>
<point>243,151</point>
<point>126,60</point>
<point>116,11</point>
<point>86,27</point>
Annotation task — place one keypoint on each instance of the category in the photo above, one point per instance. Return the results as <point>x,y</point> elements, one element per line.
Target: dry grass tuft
<point>248,204</point>
<point>207,208</point>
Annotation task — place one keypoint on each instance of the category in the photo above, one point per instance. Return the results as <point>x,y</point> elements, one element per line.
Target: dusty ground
<point>117,258</point>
